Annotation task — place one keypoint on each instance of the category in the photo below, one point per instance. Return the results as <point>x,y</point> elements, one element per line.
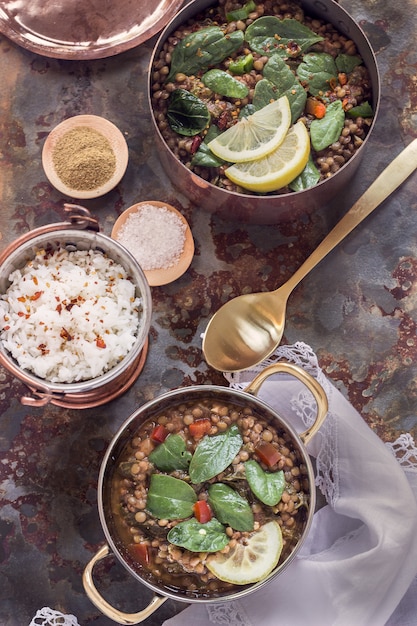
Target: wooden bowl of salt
<point>159,237</point>
<point>85,156</point>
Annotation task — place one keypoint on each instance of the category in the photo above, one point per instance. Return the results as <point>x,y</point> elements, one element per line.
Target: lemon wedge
<point>277,169</point>
<point>250,562</point>
<point>254,136</point>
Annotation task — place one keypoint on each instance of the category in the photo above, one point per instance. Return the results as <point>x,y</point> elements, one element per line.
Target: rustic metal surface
<point>358,309</point>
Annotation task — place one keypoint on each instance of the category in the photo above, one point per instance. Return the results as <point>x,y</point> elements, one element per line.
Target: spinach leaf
<point>202,49</point>
<point>241,14</point>
<point>362,110</point>
<point>289,38</point>
<point>171,454</point>
<point>264,93</point>
<point>267,486</point>
<point>347,62</point>
<point>278,73</point>
<point>169,497</point>
<point>248,109</point>
<point>229,507</point>
<point>317,70</point>
<point>187,114</point>
<point>326,131</point>
<point>196,537</point>
<point>204,156</point>
<point>224,84</point>
<point>214,453</point>
<point>309,177</point>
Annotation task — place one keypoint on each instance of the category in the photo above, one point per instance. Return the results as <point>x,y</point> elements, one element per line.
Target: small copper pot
<point>145,412</point>
<point>269,209</point>
<point>79,232</point>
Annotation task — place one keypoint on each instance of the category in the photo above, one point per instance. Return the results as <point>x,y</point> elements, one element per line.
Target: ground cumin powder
<point>84,159</point>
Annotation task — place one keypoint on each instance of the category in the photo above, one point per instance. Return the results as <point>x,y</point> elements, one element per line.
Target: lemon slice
<point>277,169</point>
<point>251,562</point>
<point>254,136</point>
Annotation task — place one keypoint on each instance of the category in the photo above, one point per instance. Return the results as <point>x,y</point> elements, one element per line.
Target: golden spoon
<point>247,329</point>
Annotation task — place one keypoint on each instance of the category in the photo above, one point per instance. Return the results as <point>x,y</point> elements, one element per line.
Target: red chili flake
<point>36,295</point>
<point>64,334</point>
<point>195,144</point>
<point>58,308</point>
<point>35,280</point>
<point>223,120</point>
<point>21,299</point>
<point>100,343</point>
<point>42,348</point>
<point>293,49</point>
<point>6,327</point>
<point>21,314</point>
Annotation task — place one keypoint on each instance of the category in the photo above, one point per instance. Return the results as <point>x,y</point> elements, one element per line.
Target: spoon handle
<point>390,178</point>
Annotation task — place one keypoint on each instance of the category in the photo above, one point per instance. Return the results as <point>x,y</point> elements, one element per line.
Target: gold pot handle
<point>117,616</point>
<point>304,377</point>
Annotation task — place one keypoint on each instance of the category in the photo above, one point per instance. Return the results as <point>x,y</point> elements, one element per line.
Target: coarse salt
<point>154,235</point>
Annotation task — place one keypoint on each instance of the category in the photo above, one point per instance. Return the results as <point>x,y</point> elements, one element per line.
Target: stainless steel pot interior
<point>277,208</point>
<point>127,430</point>
<point>81,240</point>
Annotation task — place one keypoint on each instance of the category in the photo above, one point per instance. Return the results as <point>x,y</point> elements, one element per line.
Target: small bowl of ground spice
<point>159,237</point>
<point>85,156</point>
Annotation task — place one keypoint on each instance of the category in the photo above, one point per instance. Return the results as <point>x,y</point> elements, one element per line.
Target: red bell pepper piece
<point>268,453</point>
<point>202,511</point>
<point>159,433</point>
<point>140,552</point>
<point>200,427</point>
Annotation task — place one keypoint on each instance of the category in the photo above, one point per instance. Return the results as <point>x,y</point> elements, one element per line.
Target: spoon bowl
<point>247,329</point>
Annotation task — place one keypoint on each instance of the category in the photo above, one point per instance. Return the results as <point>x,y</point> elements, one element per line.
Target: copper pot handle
<point>79,218</point>
<point>304,377</point>
<point>117,616</point>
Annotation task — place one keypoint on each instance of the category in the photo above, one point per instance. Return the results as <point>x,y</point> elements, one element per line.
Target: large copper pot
<point>107,508</point>
<point>270,209</point>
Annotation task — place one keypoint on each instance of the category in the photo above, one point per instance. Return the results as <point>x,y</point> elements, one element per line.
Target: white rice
<point>69,316</point>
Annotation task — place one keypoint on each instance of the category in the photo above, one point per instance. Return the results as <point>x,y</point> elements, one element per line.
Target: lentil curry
<point>200,477</point>
<point>235,58</point>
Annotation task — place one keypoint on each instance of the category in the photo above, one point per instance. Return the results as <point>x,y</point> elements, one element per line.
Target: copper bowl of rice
<point>75,311</point>
<point>254,53</point>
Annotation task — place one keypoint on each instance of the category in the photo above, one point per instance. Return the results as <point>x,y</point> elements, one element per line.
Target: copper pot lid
<point>67,29</point>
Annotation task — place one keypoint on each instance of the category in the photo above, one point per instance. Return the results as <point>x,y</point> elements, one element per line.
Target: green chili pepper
<point>224,84</point>
<point>241,14</point>
<point>241,65</point>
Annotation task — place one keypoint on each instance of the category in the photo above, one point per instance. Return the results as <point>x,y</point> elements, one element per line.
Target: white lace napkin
<point>358,566</point>
<point>49,617</point>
